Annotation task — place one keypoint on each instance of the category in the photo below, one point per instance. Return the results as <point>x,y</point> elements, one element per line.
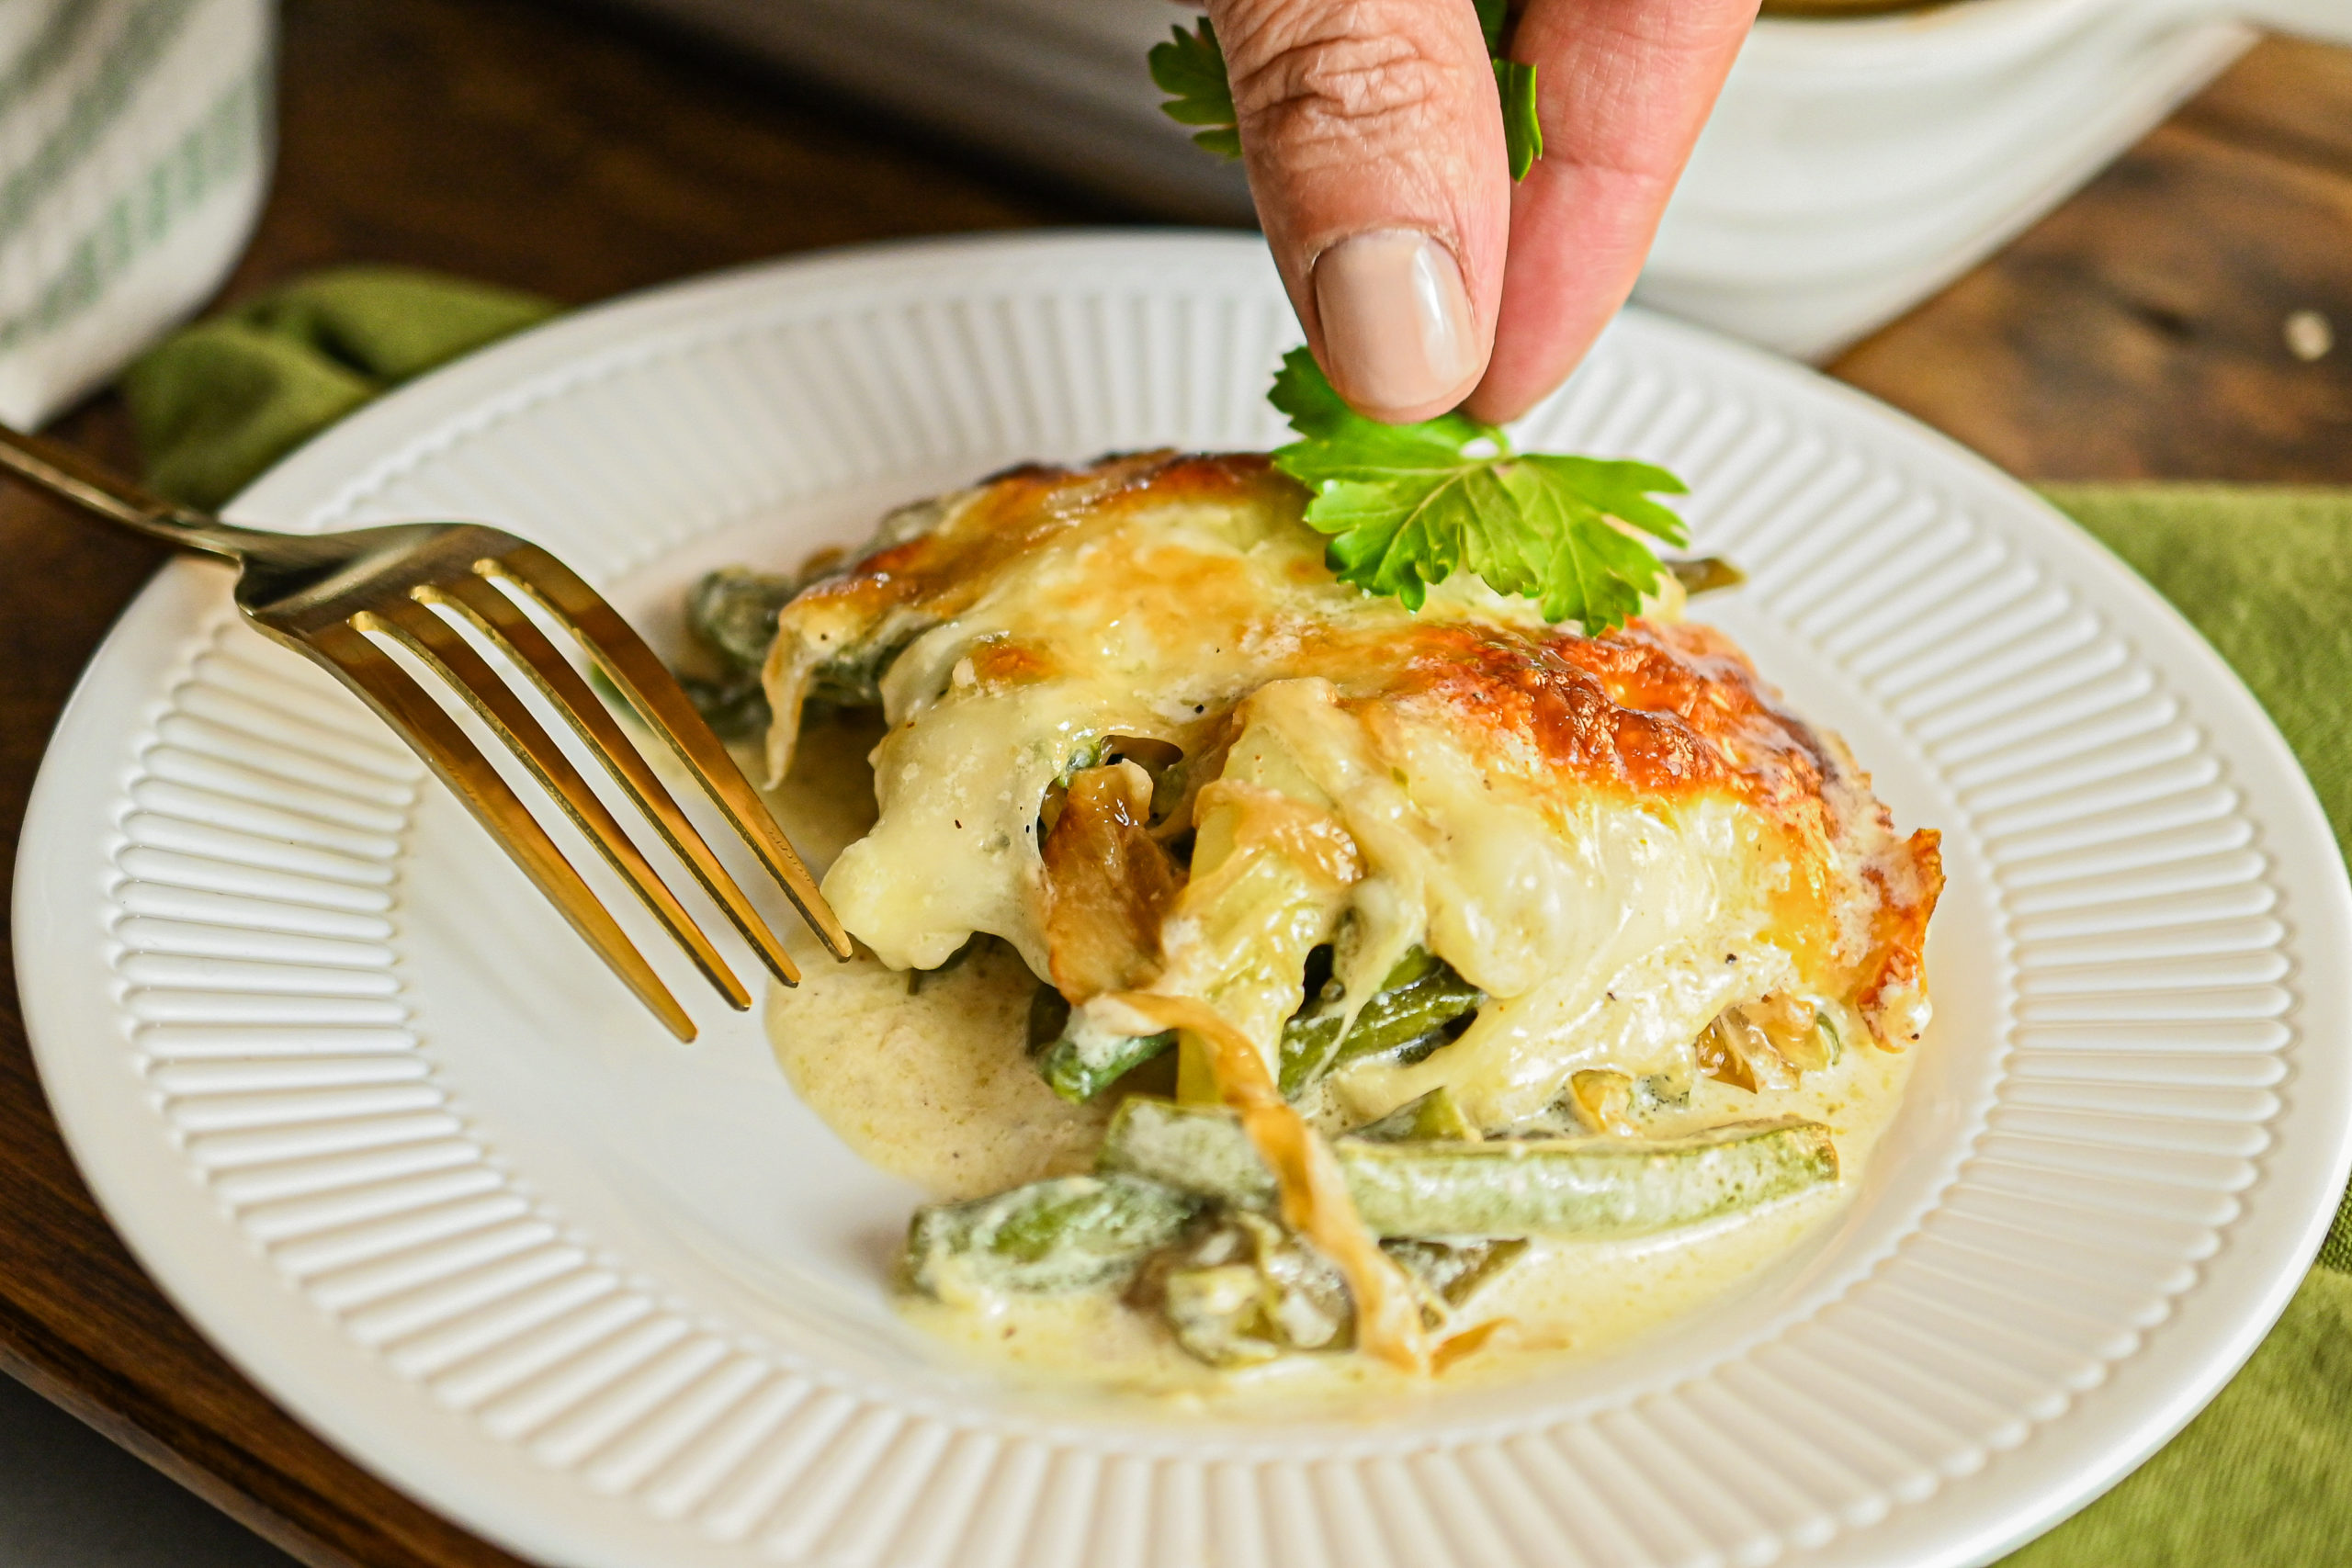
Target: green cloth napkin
<point>217,403</point>
<point>2262,1478</point>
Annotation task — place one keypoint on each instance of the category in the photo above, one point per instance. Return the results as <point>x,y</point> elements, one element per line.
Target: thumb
<point>1375,146</point>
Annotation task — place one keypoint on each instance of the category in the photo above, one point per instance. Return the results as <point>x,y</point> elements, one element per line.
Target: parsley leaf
<point>1189,67</point>
<point>1407,505</point>
<point>1522,132</point>
<point>1494,16</point>
<point>1515,84</point>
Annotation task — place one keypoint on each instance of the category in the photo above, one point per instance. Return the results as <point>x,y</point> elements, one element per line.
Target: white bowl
<point>1853,167</point>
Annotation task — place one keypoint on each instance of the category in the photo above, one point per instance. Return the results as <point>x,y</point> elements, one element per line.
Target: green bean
<point>1451,1270</point>
<point>736,707</point>
<point>853,677</point>
<point>1435,1116</point>
<point>1584,1187</point>
<point>1049,1237</point>
<point>1202,1150</point>
<point>734,610</point>
<point>1568,1188</point>
<point>1079,1067</point>
<point>1245,1290</point>
<point>1407,1020</point>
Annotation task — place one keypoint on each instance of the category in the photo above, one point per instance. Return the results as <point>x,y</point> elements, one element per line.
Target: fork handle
<point>70,477</point>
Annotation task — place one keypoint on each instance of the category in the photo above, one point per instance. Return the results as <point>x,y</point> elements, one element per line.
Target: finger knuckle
<point>1341,73</point>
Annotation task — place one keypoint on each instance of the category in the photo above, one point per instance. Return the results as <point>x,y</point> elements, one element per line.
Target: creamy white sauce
<point>933,1082</point>
<point>1561,1304</point>
<point>925,1074</point>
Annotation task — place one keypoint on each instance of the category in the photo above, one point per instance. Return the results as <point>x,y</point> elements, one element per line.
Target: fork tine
<point>500,617</point>
<point>399,701</point>
<point>648,684</point>
<point>437,642</point>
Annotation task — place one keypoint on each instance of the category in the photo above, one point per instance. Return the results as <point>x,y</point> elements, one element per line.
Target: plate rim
<point>145,639</point>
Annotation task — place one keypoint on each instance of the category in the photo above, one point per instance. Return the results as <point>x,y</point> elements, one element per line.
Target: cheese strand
<point>1314,1200</point>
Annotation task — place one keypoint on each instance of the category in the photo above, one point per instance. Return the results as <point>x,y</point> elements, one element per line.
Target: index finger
<point>1374,145</point>
<point>1623,88</point>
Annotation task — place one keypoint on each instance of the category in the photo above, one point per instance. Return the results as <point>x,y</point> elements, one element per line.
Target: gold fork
<point>323,595</point>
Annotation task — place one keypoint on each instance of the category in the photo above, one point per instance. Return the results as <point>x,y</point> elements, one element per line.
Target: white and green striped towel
<point>134,146</point>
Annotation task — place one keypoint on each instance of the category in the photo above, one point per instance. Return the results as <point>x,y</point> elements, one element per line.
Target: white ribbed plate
<point>379,1124</point>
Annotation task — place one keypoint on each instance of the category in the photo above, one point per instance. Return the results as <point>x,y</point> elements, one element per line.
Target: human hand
<point>1374,145</point>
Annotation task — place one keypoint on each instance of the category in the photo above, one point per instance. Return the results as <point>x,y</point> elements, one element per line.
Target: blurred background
<point>2092,239</point>
<point>1864,154</point>
<point>1864,157</point>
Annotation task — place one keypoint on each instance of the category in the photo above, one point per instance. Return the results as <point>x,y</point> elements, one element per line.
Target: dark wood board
<point>2138,332</point>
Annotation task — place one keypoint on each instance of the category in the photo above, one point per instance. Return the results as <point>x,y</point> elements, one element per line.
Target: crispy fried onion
<point>1314,1194</point>
<point>1892,997</point>
<point>1270,875</point>
<point>1108,884</point>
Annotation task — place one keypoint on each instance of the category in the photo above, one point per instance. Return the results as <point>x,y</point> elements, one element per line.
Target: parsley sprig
<point>1189,67</point>
<point>1407,505</point>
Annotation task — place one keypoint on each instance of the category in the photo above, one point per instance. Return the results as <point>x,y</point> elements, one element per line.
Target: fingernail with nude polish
<point>1396,328</point>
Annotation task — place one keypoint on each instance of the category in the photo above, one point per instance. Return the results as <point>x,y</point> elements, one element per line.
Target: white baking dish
<point>1854,165</point>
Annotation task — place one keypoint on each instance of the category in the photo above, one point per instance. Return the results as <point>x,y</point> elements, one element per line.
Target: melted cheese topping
<point>936,1085</point>
<point>1616,837</point>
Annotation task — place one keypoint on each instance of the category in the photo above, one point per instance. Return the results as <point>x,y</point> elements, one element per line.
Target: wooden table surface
<point>2138,332</point>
